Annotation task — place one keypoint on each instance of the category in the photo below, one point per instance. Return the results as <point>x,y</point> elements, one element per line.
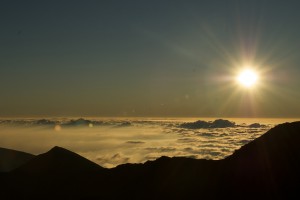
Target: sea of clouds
<point>112,142</point>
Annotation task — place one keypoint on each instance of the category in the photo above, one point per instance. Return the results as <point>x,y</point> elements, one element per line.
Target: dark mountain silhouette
<point>56,174</point>
<point>270,164</point>
<point>58,160</point>
<point>266,168</point>
<point>11,159</point>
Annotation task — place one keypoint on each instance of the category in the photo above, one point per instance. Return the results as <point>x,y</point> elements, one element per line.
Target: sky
<point>148,58</point>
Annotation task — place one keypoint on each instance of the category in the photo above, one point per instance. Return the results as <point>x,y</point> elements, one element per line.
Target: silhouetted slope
<point>11,159</point>
<point>58,160</point>
<point>270,164</point>
<point>167,178</point>
<point>266,168</point>
<point>281,142</point>
<point>56,174</point>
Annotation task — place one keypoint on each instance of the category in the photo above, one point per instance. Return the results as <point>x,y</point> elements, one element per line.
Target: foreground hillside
<point>267,167</point>
<point>11,159</point>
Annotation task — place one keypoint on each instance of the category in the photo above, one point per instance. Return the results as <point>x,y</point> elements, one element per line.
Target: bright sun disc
<point>247,78</point>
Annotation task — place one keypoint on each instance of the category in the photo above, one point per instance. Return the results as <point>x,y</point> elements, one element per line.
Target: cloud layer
<point>113,142</point>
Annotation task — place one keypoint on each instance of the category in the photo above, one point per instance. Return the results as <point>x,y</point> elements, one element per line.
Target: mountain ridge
<point>11,159</point>
<point>267,167</point>
<point>58,160</point>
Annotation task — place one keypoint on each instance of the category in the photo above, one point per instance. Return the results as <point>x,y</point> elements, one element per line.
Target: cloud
<point>161,149</point>
<point>243,142</point>
<point>187,140</point>
<point>142,140</point>
<point>112,160</point>
<point>149,157</point>
<point>195,125</point>
<point>135,142</point>
<point>206,134</point>
<point>256,125</point>
<point>45,122</point>
<point>123,124</point>
<point>218,123</point>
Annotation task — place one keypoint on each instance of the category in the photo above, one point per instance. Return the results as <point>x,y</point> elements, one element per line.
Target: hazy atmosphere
<point>149,58</point>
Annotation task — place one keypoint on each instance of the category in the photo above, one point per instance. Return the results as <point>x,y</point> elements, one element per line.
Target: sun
<point>247,78</point>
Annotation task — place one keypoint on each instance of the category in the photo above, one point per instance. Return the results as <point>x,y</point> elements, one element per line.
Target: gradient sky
<point>148,58</point>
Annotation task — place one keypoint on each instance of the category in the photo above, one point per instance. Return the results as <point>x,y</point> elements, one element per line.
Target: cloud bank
<point>113,142</point>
